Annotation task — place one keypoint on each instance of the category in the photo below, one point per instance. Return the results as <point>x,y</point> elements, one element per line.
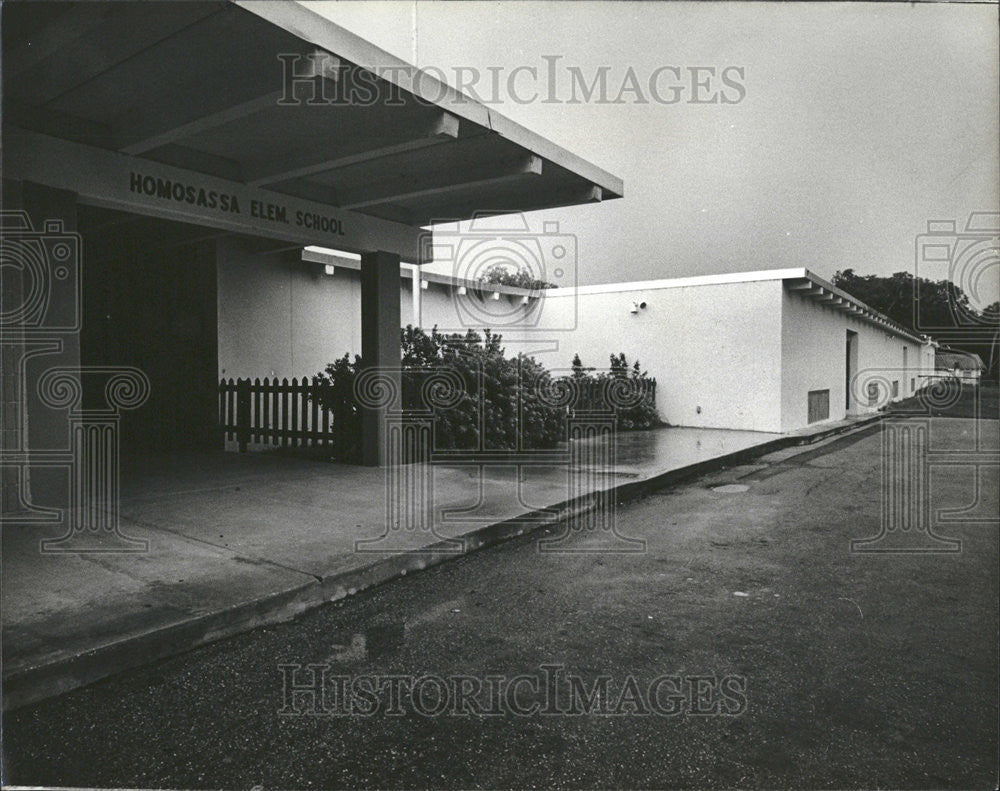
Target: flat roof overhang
<point>799,281</point>
<point>812,287</point>
<point>196,93</point>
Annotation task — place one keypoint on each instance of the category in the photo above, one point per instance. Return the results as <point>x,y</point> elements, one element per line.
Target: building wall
<point>693,340</point>
<point>736,355</point>
<point>283,317</point>
<point>814,357</point>
<point>740,355</point>
<point>928,367</point>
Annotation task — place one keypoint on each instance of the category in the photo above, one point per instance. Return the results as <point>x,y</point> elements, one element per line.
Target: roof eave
<point>310,26</point>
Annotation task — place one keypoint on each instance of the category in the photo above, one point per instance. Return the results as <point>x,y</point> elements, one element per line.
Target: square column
<point>380,345</point>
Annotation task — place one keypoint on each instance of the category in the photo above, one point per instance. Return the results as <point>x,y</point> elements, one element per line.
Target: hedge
<point>523,405</point>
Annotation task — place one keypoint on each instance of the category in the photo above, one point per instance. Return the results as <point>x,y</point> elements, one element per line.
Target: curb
<point>35,683</point>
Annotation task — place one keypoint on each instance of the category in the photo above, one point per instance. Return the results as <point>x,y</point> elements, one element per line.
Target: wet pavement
<point>650,452</point>
<point>844,669</point>
<point>231,541</point>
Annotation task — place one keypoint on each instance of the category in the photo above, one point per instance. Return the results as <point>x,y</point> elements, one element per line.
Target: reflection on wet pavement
<point>669,448</point>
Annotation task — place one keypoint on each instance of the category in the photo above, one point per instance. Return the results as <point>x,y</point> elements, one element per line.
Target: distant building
<point>966,367</point>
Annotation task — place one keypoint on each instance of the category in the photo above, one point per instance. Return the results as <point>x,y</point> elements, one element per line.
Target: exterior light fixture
<point>495,296</point>
<point>329,269</point>
<point>423,285</point>
<point>636,307</point>
<point>524,299</point>
<point>462,290</point>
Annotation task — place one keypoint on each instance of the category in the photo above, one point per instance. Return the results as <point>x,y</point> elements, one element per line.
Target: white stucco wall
<point>283,317</point>
<point>814,339</point>
<point>927,364</point>
<point>737,354</point>
<point>713,347</point>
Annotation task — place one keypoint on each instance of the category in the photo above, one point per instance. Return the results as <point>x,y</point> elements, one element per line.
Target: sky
<point>858,124</point>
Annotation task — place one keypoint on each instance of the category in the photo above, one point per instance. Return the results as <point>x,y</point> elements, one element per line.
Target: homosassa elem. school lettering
<point>167,189</point>
<point>319,222</point>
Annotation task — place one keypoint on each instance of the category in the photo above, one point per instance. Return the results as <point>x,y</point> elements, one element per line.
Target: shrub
<point>334,390</point>
<point>454,373</point>
<point>482,399</point>
<point>629,391</point>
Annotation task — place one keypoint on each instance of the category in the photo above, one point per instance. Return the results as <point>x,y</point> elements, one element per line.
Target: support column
<point>380,346</point>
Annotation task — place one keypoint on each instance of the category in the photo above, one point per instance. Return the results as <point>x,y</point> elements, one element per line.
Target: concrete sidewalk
<point>236,541</point>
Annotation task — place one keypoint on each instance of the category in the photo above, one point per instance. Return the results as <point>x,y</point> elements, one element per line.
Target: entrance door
<point>150,302</point>
<point>850,370</point>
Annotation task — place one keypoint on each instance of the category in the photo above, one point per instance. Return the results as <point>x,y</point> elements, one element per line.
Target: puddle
<point>730,488</point>
<point>658,450</point>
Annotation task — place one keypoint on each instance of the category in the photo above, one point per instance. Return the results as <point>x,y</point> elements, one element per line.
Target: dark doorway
<point>850,368</point>
<point>149,301</point>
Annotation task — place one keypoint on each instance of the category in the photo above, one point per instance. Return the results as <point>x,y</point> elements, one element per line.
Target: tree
<point>919,304</point>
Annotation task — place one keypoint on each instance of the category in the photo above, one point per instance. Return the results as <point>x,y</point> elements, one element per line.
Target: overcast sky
<point>860,122</point>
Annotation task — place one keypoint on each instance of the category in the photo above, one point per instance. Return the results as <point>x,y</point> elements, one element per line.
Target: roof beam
<point>199,161</point>
<point>405,137</point>
<point>308,24</point>
<point>116,181</point>
<point>121,34</point>
<point>153,133</point>
<point>525,166</point>
<point>57,124</point>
